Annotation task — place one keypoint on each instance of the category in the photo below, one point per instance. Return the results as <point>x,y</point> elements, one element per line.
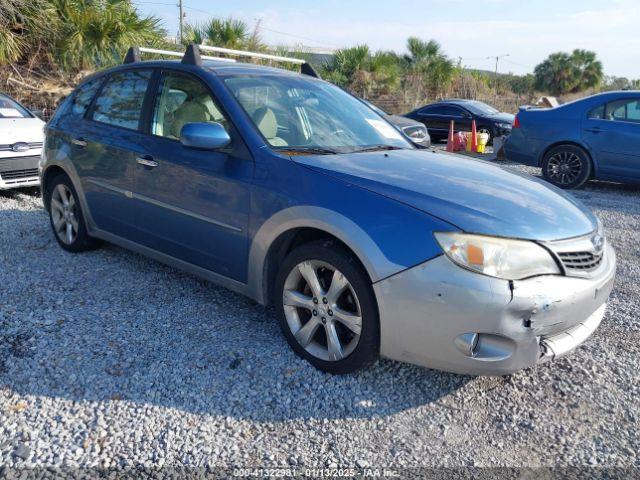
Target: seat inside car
<point>199,109</point>
<point>267,123</point>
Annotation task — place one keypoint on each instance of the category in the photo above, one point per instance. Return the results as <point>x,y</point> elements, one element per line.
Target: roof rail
<point>193,56</point>
<point>305,67</point>
<point>190,56</point>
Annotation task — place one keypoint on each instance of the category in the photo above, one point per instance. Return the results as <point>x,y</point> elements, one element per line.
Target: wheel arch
<point>288,241</point>
<point>296,225</point>
<point>49,174</point>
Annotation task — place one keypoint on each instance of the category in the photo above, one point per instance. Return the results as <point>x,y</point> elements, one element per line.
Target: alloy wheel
<point>322,310</point>
<point>564,167</point>
<point>64,214</point>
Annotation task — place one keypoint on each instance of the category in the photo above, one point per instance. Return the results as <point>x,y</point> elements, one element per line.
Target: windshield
<point>12,109</point>
<point>306,115</point>
<point>482,108</point>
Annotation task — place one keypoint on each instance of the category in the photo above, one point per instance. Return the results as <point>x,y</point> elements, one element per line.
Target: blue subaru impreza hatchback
<point>283,187</point>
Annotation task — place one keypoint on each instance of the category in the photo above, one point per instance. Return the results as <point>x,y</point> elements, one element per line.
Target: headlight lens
<point>497,257</point>
<point>505,126</point>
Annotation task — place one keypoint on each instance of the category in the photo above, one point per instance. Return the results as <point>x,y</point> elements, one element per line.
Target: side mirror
<point>38,113</point>
<point>204,135</point>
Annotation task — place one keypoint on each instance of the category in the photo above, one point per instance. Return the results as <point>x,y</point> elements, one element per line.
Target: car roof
<point>214,66</point>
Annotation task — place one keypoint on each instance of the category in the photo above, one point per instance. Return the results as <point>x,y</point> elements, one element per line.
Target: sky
<point>526,31</point>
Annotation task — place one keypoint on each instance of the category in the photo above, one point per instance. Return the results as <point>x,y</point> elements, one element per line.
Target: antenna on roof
<point>192,55</point>
<point>132,56</point>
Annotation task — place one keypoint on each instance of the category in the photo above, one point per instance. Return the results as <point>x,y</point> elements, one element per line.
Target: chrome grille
<point>584,261</point>
<point>8,148</point>
<point>19,174</point>
<point>582,255</point>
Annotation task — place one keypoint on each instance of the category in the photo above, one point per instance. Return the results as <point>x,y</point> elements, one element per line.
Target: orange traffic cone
<point>450,138</point>
<point>474,137</point>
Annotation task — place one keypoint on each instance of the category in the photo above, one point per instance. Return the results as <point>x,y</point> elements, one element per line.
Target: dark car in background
<point>595,137</point>
<point>437,118</point>
<point>416,131</point>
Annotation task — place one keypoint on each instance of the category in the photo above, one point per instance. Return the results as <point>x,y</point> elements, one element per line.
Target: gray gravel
<point>108,359</point>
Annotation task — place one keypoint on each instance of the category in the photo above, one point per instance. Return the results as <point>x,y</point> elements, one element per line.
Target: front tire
<point>66,217</point>
<point>327,309</point>
<point>566,166</point>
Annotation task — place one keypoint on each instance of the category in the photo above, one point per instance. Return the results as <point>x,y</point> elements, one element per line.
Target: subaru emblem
<point>20,147</point>
<point>598,242</point>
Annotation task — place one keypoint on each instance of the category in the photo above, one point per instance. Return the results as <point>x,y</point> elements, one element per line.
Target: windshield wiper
<point>307,150</point>
<point>377,148</point>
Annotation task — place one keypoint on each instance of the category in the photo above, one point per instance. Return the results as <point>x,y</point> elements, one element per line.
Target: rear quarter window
<point>76,104</point>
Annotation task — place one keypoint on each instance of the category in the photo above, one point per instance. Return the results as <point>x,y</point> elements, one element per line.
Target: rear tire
<point>66,217</point>
<point>566,166</point>
<point>327,309</point>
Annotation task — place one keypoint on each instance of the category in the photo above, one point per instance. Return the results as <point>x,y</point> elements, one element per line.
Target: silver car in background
<point>21,138</point>
<point>416,131</point>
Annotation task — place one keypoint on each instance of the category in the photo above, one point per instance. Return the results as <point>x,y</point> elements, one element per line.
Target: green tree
<point>523,84</point>
<point>25,25</point>
<point>226,33</point>
<point>427,67</point>
<point>566,73</point>
<point>98,32</point>
<point>362,72</point>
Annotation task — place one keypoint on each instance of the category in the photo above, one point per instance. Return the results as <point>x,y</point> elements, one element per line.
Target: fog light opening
<point>467,343</point>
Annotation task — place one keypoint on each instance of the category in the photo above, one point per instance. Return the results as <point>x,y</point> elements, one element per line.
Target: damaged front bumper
<point>441,316</point>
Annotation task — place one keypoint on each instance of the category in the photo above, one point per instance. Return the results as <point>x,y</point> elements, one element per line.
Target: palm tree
<point>98,32</point>
<point>226,33</point>
<point>564,73</point>
<point>428,69</point>
<point>588,69</point>
<point>347,65</point>
<point>24,25</point>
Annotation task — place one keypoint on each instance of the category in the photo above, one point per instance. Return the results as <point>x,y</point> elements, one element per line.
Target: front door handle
<point>80,142</point>
<point>594,130</point>
<point>147,161</point>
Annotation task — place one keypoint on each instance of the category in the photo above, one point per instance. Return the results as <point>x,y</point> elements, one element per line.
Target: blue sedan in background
<point>597,137</point>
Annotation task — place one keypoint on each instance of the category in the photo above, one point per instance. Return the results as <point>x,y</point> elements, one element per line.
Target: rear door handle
<point>147,161</point>
<point>80,142</point>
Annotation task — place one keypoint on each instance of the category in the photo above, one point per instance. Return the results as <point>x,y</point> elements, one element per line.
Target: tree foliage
<point>564,73</point>
<point>75,34</point>
<point>224,32</point>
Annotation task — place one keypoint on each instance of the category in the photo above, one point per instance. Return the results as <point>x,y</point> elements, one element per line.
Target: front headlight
<point>505,126</point>
<point>497,257</point>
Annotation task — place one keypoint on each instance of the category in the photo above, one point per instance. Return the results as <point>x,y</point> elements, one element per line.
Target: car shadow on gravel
<point>113,326</point>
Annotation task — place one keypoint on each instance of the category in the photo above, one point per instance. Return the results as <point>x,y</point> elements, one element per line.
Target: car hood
<point>14,130</point>
<point>503,117</point>
<point>403,121</point>
<point>473,195</point>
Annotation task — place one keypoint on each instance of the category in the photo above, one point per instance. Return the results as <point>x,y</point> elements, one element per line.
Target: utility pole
<point>497,57</point>
<point>181,18</point>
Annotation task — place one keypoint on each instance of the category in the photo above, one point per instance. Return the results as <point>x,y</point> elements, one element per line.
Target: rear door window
<point>120,101</point>
<point>452,111</point>
<point>623,111</point>
<point>432,111</point>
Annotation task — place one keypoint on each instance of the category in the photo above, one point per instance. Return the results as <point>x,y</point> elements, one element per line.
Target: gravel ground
<point>108,359</point>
